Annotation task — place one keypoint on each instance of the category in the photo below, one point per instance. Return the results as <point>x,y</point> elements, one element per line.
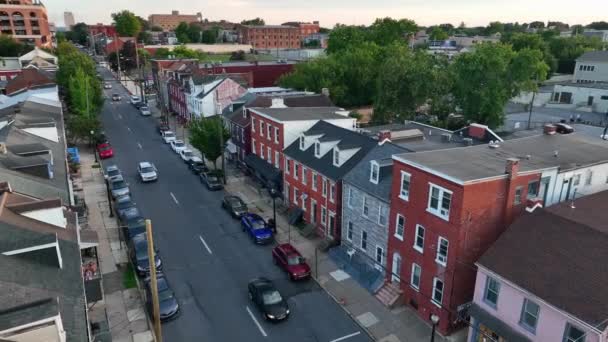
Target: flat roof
<point>301,113</point>
<point>535,153</point>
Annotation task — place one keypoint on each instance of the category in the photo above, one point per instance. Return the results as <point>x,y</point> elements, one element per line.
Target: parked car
<point>129,215</point>
<point>291,261</point>
<point>112,171</point>
<point>138,252</point>
<point>133,226</point>
<point>167,303</point>
<point>119,187</point>
<point>122,204</point>
<point>168,136</point>
<point>563,128</point>
<point>187,155</point>
<point>178,145</point>
<point>234,205</point>
<point>135,100</point>
<point>197,166</point>
<point>257,228</point>
<point>162,126</point>
<point>211,180</point>
<point>107,86</point>
<point>267,299</point>
<point>145,110</point>
<point>116,97</point>
<point>147,172</point>
<point>105,150</point>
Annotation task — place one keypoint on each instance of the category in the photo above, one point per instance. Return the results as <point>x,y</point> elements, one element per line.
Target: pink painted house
<point>545,278</point>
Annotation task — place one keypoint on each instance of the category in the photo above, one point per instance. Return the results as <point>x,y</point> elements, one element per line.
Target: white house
<point>209,95</point>
<point>591,67</point>
<point>591,97</point>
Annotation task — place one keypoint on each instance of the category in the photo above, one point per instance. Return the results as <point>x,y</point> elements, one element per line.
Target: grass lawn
<point>215,58</point>
<point>128,278</point>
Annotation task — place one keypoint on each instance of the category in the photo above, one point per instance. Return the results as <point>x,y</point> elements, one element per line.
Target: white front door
<point>396,270</point>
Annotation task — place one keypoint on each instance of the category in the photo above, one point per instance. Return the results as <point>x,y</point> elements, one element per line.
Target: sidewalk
<point>384,325</point>
<point>127,318</point>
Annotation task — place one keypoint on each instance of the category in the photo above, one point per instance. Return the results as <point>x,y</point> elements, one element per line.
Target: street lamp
<point>434,321</point>
<point>94,148</point>
<point>273,194</point>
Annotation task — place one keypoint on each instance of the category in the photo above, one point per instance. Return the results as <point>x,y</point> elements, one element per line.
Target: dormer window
<point>302,143</point>
<point>317,149</point>
<point>374,174</point>
<point>336,157</point>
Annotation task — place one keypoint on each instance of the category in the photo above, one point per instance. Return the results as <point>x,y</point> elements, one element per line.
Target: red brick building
<point>26,21</point>
<point>306,29</point>
<point>270,36</point>
<point>117,44</point>
<point>265,74</point>
<point>101,29</point>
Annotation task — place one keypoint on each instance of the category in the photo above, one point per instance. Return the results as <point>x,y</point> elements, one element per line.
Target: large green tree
<point>438,34</point>
<point>385,31</point>
<point>521,41</point>
<point>126,23</point>
<point>343,37</point>
<point>181,32</point>
<point>210,36</point>
<point>254,22</point>
<point>9,47</point>
<point>206,136</point>
<point>79,34</point>
<point>194,33</point>
<point>568,49</point>
<point>598,25</point>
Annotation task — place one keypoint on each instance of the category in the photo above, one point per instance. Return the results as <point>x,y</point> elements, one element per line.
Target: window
<point>268,131</point>
<point>332,191</point>
<point>399,227</point>
<point>295,169</point>
<point>252,124</point>
<point>382,212</point>
<point>295,196</point>
<point>286,166</point>
<point>317,149</point>
<point>304,180</point>
<point>419,239</point>
<point>416,273</point>
<point>374,172</point>
<point>517,199</point>
<point>379,255</point>
<point>604,97</point>
<point>573,334</point>
<point>529,315</point>
<point>364,240</point>
<point>324,186</point>
<point>262,151</point>
<point>302,143</point>
<point>314,180</point>
<point>261,128</point>
<point>405,186</point>
<point>277,159</point>
<point>442,251</point>
<point>440,201</point>
<point>437,291</point>
<point>287,192</point>
<point>576,180</point>
<point>492,291</point>
<point>365,207</point>
<point>589,178</point>
<point>276,135</point>
<point>349,231</point>
<point>323,215</point>
<point>336,157</point>
<point>269,154</point>
<point>350,199</point>
<point>533,189</point>
<point>253,146</point>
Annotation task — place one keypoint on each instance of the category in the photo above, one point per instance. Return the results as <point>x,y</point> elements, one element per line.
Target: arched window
<point>17,16</point>
<point>33,15</point>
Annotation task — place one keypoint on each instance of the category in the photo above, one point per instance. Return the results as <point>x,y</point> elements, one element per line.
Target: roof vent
<point>528,157</point>
<point>493,144</point>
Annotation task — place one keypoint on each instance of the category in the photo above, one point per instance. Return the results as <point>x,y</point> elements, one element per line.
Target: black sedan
<point>122,204</point>
<point>234,205</point>
<point>197,167</point>
<point>138,252</point>
<point>211,180</point>
<point>167,304</point>
<point>267,299</point>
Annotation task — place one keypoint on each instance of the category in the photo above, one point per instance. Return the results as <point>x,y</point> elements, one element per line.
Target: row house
<point>265,73</point>
<point>315,164</point>
<point>449,206</point>
<point>543,278</point>
<point>275,128</point>
<point>208,95</point>
<point>163,71</point>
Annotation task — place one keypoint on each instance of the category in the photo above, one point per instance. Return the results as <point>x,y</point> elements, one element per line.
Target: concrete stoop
<point>390,295</point>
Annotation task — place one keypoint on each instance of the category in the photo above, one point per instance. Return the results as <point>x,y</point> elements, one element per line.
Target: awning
<point>263,169</point>
<point>88,238</point>
<point>230,146</point>
<point>498,326</point>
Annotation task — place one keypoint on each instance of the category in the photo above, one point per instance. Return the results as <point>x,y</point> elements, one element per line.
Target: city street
<point>207,258</point>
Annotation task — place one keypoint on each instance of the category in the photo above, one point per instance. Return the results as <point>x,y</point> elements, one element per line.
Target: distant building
<point>10,67</point>
<point>270,36</point>
<point>101,29</point>
<point>602,34</point>
<point>68,19</point>
<point>589,97</point>
<point>592,67</point>
<point>306,29</point>
<point>169,22</point>
<point>26,21</point>
<point>322,38</point>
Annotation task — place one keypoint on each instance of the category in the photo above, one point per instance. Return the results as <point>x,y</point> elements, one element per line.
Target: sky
<point>358,12</point>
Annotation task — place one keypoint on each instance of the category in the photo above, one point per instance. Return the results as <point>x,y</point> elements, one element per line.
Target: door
<point>396,269</point>
<point>544,189</point>
<point>330,226</point>
<point>590,101</point>
<point>313,211</point>
<point>565,191</point>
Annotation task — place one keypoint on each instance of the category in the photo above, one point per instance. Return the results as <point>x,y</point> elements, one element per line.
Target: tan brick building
<point>270,36</point>
<point>168,22</point>
<point>26,21</point>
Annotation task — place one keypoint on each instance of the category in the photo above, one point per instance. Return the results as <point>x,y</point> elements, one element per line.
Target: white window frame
<point>380,216</point>
<point>364,207</point>
<point>314,180</point>
<point>295,195</point>
<point>277,159</point>
<point>242,135</point>
<point>589,178</point>
<point>304,180</point>
<point>295,169</point>
<point>262,151</point>
<point>374,166</point>
<point>287,194</point>
<point>269,149</point>
<point>336,157</point>
<point>405,194</point>
<point>261,128</point>
<point>253,124</point>
<point>313,213</point>
<point>302,143</point>
<point>323,215</point>
<point>438,212</point>
<point>350,230</point>
<point>399,236</point>
<point>350,198</point>
<point>324,187</point>
<point>440,258</point>
<point>276,135</point>
<point>487,289</point>
<point>413,284</point>
<point>253,147</point>
<point>286,166</point>
<point>433,299</point>
<point>379,248</point>
<point>317,149</point>
<point>332,192</point>
<point>269,131</point>
<point>363,232</point>
<point>522,322</point>
<point>416,236</point>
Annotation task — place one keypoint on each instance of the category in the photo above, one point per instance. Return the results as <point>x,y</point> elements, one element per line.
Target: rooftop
<point>301,113</point>
<point>566,152</point>
<point>594,56</point>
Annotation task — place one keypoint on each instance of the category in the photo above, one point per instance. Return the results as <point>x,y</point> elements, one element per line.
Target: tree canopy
<point>9,47</point>
<point>254,22</point>
<point>126,23</point>
<point>383,32</point>
<point>79,34</point>
<point>182,32</point>
<point>205,137</point>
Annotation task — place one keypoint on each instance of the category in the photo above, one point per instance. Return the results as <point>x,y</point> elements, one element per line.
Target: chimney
<point>174,12</point>
<point>5,187</point>
<point>549,129</point>
<point>316,22</point>
<point>512,167</point>
<point>3,149</point>
<point>477,131</point>
<point>384,135</point>
<point>325,91</point>
<point>277,102</point>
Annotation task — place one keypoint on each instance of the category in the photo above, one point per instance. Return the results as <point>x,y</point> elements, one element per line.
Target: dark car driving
<point>267,299</point>
<point>234,205</point>
<point>167,303</point>
<point>211,180</point>
<point>138,252</point>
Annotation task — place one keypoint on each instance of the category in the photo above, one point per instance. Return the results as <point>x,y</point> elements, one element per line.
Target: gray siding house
<point>591,67</point>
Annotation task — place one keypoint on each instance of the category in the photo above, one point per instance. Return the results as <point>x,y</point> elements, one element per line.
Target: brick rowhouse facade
<point>479,211</point>
<point>265,74</point>
<point>267,139</point>
<point>26,21</point>
<point>306,29</point>
<point>270,36</point>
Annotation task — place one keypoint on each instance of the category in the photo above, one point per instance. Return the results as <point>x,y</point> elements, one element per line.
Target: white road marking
<point>139,145</point>
<point>129,128</point>
<point>256,322</point>
<point>205,244</point>
<point>120,116</point>
<point>346,336</point>
<point>174,199</point>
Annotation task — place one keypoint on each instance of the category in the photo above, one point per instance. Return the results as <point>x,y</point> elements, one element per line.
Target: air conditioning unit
<point>467,141</point>
<point>446,137</point>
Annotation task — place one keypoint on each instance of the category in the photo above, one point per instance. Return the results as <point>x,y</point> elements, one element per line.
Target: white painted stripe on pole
<point>139,145</point>
<point>256,322</point>
<point>174,198</point>
<point>345,337</point>
<point>205,244</point>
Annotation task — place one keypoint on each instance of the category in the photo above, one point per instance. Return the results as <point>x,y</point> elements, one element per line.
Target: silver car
<point>145,111</point>
<point>147,172</point>
<point>119,187</point>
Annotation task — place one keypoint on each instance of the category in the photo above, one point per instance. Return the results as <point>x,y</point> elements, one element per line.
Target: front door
<point>331,225</point>
<point>396,270</point>
<point>590,101</point>
<point>313,211</point>
<point>565,191</point>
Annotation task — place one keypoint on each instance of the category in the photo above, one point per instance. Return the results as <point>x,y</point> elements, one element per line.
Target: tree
<point>156,29</point>
<point>495,27</point>
<point>181,32</point>
<point>9,47</point>
<point>237,55</point>
<point>324,30</point>
<point>162,53</point>
<point>577,29</point>
<point>520,41</point>
<point>205,136</point>
<point>194,33</point>
<point>210,36</point>
<point>79,127</point>
<point>144,37</point>
<point>568,49</point>
<point>79,34</point>
<point>438,34</point>
<point>254,22</point>
<point>143,23</point>
<point>126,23</point>
<point>537,25</point>
<point>385,31</point>
<point>343,37</point>
<point>598,25</point>
<point>558,24</point>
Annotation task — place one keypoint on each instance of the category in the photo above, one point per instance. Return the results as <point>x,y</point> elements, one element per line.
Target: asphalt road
<point>206,257</point>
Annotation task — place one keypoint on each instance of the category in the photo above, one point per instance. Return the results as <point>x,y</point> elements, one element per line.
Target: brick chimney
<point>5,187</point>
<point>384,135</point>
<point>477,131</point>
<point>512,167</point>
<point>549,129</point>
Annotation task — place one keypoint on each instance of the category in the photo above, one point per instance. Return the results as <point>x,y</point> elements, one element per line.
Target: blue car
<point>257,228</point>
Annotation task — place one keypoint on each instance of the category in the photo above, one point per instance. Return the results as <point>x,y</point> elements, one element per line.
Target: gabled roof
<point>28,79</point>
<point>325,165</point>
<point>300,113</point>
<point>37,52</point>
<point>558,255</point>
<point>594,56</point>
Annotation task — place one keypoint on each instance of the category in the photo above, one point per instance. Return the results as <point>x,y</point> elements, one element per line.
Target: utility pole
<point>141,89</point>
<point>153,283</point>
<point>531,106</point>
<point>222,147</point>
<point>117,58</point>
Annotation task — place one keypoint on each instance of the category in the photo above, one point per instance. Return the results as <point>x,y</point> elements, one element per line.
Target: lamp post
<point>273,194</point>
<point>434,321</point>
<point>94,147</point>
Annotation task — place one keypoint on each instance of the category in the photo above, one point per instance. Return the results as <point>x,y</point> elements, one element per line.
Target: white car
<point>168,136</point>
<point>107,86</point>
<point>187,155</point>
<point>135,99</point>
<point>178,145</point>
<point>147,172</point>
<point>145,111</point>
